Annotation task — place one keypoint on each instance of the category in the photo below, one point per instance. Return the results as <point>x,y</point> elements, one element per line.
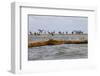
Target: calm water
<point>63,51</point>
<point>65,37</point>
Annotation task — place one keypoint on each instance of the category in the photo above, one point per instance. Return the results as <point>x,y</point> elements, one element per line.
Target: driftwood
<point>56,42</point>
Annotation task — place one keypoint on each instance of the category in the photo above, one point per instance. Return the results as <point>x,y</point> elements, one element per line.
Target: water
<point>63,51</point>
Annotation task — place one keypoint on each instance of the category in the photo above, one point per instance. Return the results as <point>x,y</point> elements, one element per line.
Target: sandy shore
<point>56,42</point>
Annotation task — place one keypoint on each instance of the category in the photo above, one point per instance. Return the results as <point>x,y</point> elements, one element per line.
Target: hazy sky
<point>58,23</point>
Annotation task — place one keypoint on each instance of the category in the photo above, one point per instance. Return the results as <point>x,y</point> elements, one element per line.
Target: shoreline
<point>55,42</point>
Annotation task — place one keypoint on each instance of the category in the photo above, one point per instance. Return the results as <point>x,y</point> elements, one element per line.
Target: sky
<point>57,23</point>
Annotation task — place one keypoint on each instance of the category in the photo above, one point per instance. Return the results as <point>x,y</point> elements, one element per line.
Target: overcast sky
<point>57,23</point>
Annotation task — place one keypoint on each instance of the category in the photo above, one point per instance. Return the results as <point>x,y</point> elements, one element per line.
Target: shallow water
<point>64,51</point>
<point>64,37</point>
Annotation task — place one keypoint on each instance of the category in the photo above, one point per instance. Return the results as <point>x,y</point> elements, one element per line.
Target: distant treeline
<point>53,32</point>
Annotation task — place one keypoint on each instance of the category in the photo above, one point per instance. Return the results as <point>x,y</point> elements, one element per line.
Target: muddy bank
<point>55,42</point>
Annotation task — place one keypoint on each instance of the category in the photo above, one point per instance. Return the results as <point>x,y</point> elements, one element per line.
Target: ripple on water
<point>64,51</point>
